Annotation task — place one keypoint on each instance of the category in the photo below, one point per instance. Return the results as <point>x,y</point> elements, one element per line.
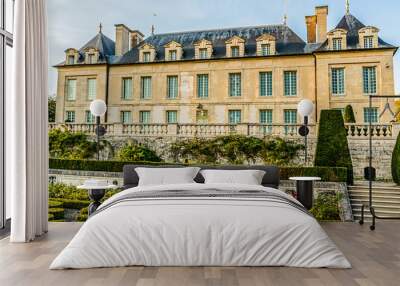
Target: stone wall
<point>381,149</point>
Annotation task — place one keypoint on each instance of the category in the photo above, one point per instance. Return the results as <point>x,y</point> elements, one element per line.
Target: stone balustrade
<point>354,131</point>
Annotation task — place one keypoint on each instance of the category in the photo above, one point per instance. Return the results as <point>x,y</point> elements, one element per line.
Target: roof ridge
<point>216,29</point>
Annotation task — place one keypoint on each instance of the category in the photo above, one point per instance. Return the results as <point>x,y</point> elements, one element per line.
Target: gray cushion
<point>270,179</point>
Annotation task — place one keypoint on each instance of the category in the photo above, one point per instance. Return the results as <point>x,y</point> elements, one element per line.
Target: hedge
<point>332,147</point>
<point>93,165</point>
<point>55,203</point>
<point>396,162</point>
<point>58,213</point>
<point>328,174</point>
<point>73,204</point>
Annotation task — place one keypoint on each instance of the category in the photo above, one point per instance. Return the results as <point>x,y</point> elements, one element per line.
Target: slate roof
<point>352,25</point>
<point>287,41</point>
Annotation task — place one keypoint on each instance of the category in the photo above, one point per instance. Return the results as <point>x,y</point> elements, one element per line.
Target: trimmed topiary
<point>396,161</point>
<point>349,114</point>
<point>332,147</point>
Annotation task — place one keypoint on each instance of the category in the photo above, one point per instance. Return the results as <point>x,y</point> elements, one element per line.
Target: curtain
<point>26,123</point>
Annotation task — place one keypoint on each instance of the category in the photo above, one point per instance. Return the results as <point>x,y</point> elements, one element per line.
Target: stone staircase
<point>385,199</point>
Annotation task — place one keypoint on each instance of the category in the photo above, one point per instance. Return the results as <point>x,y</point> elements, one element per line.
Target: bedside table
<point>96,191</point>
<point>304,190</point>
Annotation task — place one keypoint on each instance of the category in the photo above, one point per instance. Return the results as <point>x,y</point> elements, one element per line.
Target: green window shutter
<point>126,88</point>
<point>290,82</point>
<point>371,114</point>
<point>172,87</point>
<point>145,87</point>
<point>126,117</point>
<point>369,80</point>
<point>235,116</point>
<point>337,81</point>
<point>202,85</point>
<point>235,84</point>
<point>265,83</point>
<point>90,118</point>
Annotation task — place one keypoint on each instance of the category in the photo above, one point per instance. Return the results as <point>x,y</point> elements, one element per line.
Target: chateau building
<point>247,74</point>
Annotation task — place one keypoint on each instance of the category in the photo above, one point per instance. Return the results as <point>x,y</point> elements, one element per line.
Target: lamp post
<point>305,108</point>
<point>98,108</point>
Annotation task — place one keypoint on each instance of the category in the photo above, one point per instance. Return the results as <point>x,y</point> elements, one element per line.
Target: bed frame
<point>270,179</point>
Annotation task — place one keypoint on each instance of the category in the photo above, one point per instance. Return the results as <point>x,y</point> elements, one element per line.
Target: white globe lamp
<point>98,107</point>
<point>305,107</point>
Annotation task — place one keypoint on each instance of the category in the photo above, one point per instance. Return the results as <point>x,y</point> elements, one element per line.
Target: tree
<point>396,161</point>
<point>51,103</point>
<point>332,147</point>
<point>349,114</point>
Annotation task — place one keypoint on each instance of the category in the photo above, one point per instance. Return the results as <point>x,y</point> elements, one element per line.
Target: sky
<point>72,23</point>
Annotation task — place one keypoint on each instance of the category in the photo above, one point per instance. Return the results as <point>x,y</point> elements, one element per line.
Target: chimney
<point>322,18</point>
<point>136,38</point>
<point>311,23</point>
<point>121,39</point>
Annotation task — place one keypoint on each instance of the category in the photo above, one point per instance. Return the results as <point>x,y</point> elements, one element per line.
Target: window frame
<point>337,44</point>
<point>201,89</point>
<point>234,111</point>
<point>367,85</point>
<point>88,114</point>
<point>68,88</point>
<point>6,43</point>
<point>233,93</point>
<point>172,52</point>
<point>203,53</point>
<point>142,87</point>
<point>122,116</point>
<point>266,49</point>
<point>172,90</point>
<point>268,86</point>
<point>146,57</point>
<point>235,48</point>
<point>168,112</point>
<point>343,85</point>
<point>291,82</point>
<point>141,112</point>
<point>123,88</point>
<point>367,115</point>
<point>88,95</point>
<point>369,40</point>
<point>72,112</point>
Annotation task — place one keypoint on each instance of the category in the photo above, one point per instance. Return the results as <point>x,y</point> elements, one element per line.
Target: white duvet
<point>200,232</point>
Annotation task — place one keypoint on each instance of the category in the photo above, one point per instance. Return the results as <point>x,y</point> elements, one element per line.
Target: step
<point>377,188</point>
<point>375,202</point>
<point>379,209</point>
<point>383,198</point>
<point>381,212</point>
<point>379,192</point>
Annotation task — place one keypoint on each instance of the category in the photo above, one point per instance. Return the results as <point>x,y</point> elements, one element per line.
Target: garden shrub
<point>396,161</point>
<point>332,147</point>
<point>50,217</point>
<point>235,149</point>
<point>349,114</point>
<point>134,152</point>
<point>55,204</point>
<point>326,206</point>
<point>83,214</point>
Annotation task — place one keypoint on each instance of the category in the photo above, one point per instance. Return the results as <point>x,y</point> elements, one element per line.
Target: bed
<point>198,224</point>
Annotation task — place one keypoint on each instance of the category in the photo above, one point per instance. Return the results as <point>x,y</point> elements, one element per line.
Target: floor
<point>375,257</point>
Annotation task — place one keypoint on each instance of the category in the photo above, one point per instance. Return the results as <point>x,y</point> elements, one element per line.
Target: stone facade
<point>311,61</point>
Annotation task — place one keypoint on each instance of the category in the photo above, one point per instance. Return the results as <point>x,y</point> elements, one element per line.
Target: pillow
<point>166,176</point>
<point>248,177</point>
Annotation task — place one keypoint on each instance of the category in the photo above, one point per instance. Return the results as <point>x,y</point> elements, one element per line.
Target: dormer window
<point>203,49</point>
<point>265,45</point>
<point>146,57</point>
<point>235,47</point>
<point>173,51</point>
<point>203,53</point>
<point>147,53</point>
<point>71,56</point>
<point>91,58</point>
<point>337,39</point>
<point>235,51</point>
<point>265,49</point>
<point>337,44</point>
<point>368,42</point>
<point>71,60</point>
<point>368,37</point>
<point>172,55</point>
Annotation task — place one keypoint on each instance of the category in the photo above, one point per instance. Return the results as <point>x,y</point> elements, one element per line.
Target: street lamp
<point>305,108</point>
<point>98,108</point>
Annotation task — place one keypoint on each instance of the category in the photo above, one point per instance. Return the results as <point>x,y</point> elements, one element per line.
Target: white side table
<point>304,190</point>
<point>96,192</point>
